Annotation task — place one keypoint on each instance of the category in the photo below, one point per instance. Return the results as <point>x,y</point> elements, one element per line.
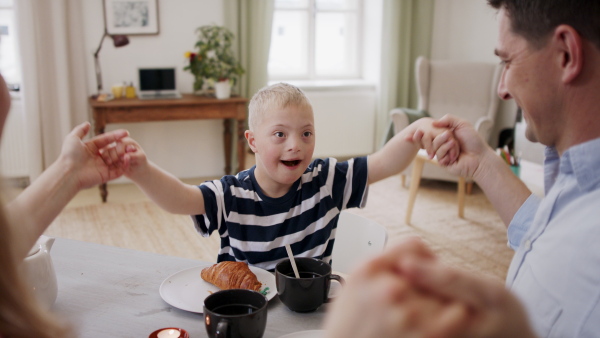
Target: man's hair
<point>535,20</point>
<point>279,95</point>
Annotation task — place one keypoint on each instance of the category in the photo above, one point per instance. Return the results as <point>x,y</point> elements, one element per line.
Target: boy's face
<point>284,143</point>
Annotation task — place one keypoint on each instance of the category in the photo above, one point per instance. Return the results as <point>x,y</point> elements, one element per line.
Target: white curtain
<point>408,26</point>
<point>251,22</point>
<point>53,88</point>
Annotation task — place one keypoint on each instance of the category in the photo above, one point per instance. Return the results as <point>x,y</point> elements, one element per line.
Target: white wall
<point>464,30</point>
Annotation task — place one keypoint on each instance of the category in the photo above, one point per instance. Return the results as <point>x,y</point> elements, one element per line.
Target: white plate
<point>306,334</point>
<point>186,290</point>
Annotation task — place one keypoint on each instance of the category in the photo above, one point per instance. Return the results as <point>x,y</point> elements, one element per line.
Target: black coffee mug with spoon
<point>311,290</point>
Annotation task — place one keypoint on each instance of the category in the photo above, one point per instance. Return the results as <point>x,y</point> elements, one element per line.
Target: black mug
<point>235,313</point>
<point>311,290</point>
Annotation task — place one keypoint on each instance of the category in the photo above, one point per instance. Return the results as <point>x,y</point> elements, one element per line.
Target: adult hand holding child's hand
<point>438,140</point>
<point>127,155</point>
<point>473,148</point>
<point>90,169</point>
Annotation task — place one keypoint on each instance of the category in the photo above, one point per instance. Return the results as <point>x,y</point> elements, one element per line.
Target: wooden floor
<point>119,194</point>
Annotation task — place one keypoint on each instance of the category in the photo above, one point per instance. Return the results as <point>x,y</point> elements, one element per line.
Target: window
<point>315,39</point>
<point>9,64</point>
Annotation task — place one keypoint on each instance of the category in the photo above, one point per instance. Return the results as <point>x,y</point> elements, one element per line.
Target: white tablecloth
<point>107,291</point>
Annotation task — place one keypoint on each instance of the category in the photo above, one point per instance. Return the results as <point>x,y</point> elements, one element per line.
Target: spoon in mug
<point>292,260</point>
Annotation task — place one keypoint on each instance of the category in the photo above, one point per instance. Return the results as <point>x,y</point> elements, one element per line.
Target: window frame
<point>14,82</point>
<point>311,75</point>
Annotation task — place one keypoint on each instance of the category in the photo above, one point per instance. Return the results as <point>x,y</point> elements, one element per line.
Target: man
<point>551,52</point>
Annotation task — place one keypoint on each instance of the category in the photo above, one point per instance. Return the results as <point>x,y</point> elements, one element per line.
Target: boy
<point>287,198</point>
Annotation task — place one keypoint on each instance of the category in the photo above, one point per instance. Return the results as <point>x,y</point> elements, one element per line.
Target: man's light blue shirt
<point>556,268</point>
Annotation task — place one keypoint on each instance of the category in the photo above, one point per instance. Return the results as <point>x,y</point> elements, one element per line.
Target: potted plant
<point>213,60</point>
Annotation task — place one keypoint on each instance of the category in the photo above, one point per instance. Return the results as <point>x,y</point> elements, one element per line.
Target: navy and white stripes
<point>254,228</point>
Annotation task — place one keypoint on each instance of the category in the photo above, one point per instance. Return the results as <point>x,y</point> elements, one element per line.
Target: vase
<point>223,89</point>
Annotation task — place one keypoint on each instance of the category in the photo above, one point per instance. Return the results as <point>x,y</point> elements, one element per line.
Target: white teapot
<point>39,271</point>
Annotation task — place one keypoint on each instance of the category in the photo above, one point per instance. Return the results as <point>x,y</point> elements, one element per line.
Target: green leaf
<point>217,41</point>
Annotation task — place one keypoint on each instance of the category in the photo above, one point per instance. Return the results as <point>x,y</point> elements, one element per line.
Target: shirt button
<point>527,245</point>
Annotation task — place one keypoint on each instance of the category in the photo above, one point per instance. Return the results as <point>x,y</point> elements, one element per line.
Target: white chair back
<point>357,238</point>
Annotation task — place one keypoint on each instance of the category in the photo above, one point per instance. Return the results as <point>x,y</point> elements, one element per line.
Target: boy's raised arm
<point>160,186</point>
<point>400,150</point>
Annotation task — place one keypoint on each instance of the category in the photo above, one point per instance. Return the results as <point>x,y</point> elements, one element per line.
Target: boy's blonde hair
<point>279,95</point>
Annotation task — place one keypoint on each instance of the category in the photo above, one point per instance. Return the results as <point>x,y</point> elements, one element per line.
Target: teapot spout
<point>46,242</point>
<point>39,271</point>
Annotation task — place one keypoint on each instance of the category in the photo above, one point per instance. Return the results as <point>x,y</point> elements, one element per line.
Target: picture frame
<point>131,17</point>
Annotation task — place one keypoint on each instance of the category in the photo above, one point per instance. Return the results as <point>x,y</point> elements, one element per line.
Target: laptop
<point>157,83</point>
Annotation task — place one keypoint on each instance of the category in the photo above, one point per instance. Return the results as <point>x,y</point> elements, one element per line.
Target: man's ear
<point>570,47</point>
<point>251,140</point>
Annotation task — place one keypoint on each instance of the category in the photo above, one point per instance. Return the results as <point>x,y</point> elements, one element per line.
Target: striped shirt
<point>255,228</point>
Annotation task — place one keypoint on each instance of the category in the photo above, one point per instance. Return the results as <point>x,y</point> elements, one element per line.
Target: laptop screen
<point>157,79</point>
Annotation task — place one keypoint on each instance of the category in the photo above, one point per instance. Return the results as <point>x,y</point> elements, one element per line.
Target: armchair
<point>464,89</point>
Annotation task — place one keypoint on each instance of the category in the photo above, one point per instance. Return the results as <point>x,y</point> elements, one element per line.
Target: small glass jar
<point>130,91</point>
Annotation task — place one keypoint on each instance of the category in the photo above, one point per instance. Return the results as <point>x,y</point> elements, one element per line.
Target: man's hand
<point>437,141</point>
<point>493,310</point>
<point>377,301</point>
<point>473,147</point>
<point>407,292</point>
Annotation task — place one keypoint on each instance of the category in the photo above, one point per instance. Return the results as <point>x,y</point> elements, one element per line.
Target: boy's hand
<point>163,188</point>
<point>436,141</point>
<point>127,155</point>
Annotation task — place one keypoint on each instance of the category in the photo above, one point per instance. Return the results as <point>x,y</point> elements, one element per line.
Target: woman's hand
<point>85,157</point>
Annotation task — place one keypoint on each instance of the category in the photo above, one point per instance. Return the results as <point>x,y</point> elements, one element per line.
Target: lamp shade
<point>120,40</point>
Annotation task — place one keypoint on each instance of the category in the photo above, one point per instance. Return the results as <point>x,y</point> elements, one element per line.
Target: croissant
<point>231,275</point>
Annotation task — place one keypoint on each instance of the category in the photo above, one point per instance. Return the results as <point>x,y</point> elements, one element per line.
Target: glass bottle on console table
<point>130,91</point>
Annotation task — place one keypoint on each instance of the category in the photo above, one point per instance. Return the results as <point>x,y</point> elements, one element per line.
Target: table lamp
<point>118,41</point>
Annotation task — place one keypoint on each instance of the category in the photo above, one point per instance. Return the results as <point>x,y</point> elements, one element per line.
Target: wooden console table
<point>189,107</point>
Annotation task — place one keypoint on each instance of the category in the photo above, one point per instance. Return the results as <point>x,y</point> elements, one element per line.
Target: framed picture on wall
<point>131,17</point>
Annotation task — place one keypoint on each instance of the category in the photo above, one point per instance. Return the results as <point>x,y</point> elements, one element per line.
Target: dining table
<point>106,291</point>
